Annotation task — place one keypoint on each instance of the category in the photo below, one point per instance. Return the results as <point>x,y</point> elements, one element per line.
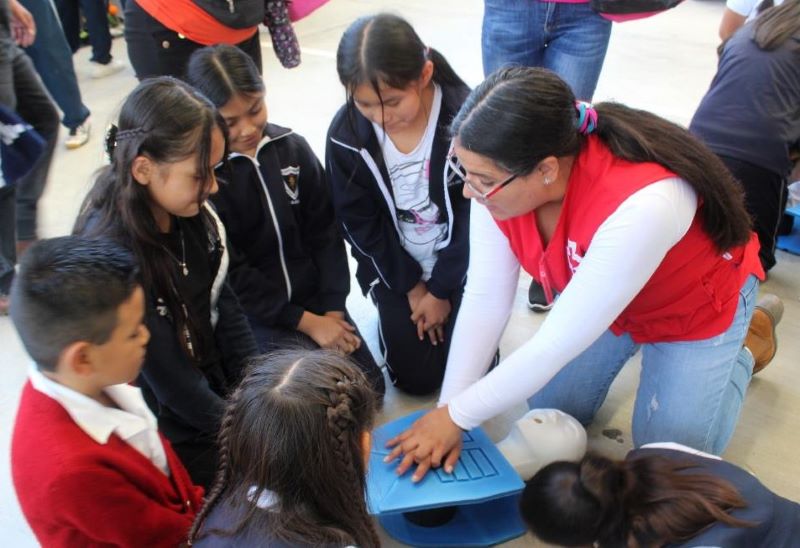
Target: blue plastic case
<point>483,486</point>
<point>791,242</point>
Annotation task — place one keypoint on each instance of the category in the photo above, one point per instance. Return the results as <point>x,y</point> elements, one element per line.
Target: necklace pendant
<point>185,269</point>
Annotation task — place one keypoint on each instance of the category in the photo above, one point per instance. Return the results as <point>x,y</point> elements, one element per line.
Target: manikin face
<point>246,116</point>
<point>540,437</point>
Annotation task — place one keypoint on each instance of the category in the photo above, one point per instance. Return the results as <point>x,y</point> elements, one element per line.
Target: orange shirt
<point>187,18</point>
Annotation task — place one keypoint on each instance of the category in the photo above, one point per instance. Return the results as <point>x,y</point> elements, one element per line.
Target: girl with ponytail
<point>642,234</point>
<point>398,202</point>
<point>294,444</point>
<point>661,494</point>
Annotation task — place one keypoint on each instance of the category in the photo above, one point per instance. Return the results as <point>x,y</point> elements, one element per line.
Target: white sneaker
<point>79,136</point>
<point>101,71</point>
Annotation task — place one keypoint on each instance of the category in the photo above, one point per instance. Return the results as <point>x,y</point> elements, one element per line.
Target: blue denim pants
<point>52,57</point>
<point>569,39</point>
<point>689,392</point>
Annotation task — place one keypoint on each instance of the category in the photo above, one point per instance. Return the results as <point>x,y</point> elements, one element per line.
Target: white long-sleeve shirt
<point>646,225</point>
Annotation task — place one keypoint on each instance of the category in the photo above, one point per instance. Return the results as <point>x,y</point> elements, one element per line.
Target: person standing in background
<point>567,37</point>
<point>51,55</point>
<point>96,14</point>
<point>162,34</point>
<point>21,91</point>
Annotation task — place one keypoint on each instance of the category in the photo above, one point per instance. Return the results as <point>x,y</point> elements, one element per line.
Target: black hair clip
<point>110,142</point>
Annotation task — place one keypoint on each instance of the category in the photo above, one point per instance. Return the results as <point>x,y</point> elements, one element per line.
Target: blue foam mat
<point>483,485</point>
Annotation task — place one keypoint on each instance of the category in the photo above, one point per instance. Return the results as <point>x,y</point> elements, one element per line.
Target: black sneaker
<point>536,299</point>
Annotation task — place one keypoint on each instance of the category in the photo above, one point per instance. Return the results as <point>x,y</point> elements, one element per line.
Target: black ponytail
<point>386,49</point>
<point>518,116</point>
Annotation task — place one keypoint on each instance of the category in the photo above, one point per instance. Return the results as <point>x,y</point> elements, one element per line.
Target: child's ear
<point>427,74</point>
<point>142,169</point>
<point>366,446</point>
<point>76,359</point>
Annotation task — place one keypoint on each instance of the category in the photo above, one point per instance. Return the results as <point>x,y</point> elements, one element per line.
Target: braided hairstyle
<point>293,431</point>
<point>647,500</point>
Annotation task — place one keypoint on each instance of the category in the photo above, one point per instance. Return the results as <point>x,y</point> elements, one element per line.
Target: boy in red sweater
<point>88,463</point>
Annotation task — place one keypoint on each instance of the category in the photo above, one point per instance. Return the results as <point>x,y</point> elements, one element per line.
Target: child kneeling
<point>88,464</point>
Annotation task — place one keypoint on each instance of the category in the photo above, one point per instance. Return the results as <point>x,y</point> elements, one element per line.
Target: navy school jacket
<point>363,200</point>
<point>287,254</point>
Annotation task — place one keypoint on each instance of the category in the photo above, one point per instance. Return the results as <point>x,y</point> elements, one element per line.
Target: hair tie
<point>110,142</point>
<point>587,118</point>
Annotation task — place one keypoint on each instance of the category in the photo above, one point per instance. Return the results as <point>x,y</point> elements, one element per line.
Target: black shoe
<point>536,299</point>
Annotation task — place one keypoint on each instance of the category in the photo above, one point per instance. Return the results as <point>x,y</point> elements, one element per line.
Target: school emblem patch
<point>291,179</point>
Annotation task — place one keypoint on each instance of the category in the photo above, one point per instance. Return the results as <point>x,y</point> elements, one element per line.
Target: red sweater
<point>77,492</point>
<point>694,292</point>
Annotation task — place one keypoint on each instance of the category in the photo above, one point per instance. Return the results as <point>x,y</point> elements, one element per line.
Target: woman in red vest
<point>640,231</point>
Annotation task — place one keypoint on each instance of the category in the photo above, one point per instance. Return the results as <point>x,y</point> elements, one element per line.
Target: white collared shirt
<point>133,421</point>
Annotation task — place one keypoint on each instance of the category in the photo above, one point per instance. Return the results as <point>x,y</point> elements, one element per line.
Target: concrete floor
<point>663,64</point>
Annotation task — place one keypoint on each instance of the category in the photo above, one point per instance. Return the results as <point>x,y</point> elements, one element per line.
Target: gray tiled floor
<point>663,64</point>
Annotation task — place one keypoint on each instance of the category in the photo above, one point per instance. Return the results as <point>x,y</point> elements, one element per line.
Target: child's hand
<point>330,332</point>
<point>416,294</point>
<point>430,316</point>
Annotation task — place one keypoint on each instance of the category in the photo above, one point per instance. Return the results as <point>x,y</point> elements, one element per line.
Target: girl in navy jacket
<point>288,261</point>
<point>400,206</point>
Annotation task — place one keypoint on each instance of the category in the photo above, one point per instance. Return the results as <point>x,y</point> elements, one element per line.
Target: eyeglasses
<point>455,166</point>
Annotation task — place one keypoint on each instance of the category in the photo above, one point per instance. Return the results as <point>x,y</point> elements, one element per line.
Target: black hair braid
<point>223,466</point>
<point>340,422</point>
<point>340,418</point>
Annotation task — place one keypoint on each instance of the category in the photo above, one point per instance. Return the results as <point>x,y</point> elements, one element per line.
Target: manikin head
<point>540,437</point>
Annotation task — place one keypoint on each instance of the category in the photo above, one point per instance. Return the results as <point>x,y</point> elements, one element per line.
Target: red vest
<point>694,292</point>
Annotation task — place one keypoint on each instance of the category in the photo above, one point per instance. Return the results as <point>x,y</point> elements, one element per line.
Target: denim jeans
<point>569,39</point>
<point>689,392</point>
<point>96,14</point>
<point>52,58</point>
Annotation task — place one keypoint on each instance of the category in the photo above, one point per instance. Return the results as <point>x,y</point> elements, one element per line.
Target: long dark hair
<point>776,25</point>
<point>293,428</point>
<point>166,120</point>
<point>518,116</point>
<point>220,72</point>
<point>386,48</point>
<point>644,501</point>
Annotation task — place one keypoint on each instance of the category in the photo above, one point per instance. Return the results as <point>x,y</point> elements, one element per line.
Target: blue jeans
<point>569,39</point>
<point>689,392</point>
<point>52,58</point>
<point>96,14</point>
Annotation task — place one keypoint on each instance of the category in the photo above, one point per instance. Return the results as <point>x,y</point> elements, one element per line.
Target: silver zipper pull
<point>230,5</point>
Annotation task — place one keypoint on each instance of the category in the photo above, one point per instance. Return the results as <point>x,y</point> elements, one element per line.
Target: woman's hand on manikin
<point>430,316</point>
<point>433,440</point>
